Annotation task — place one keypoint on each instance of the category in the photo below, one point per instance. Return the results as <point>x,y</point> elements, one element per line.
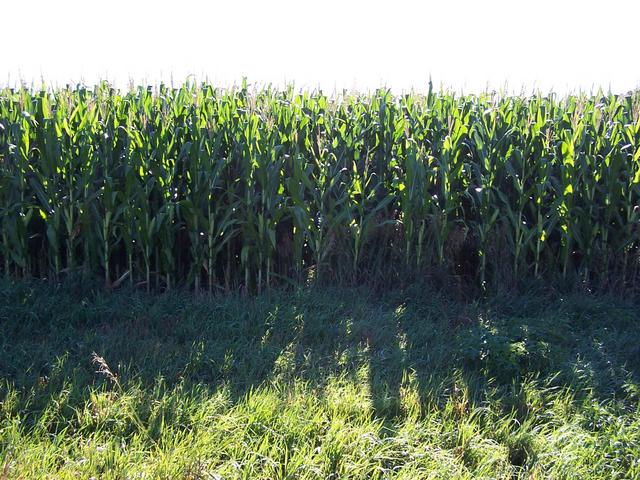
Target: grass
<point>332,383</point>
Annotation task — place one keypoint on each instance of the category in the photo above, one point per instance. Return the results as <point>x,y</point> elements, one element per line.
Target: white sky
<point>333,44</point>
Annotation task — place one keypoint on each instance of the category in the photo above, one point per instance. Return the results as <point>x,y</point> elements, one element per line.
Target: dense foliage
<point>226,188</point>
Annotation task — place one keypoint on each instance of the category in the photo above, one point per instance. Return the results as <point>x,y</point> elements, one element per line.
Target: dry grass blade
<point>103,368</point>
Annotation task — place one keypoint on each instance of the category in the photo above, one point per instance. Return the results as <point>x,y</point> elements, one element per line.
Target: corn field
<point>220,189</point>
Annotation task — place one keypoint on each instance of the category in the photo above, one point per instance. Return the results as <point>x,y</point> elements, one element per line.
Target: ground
<point>317,383</point>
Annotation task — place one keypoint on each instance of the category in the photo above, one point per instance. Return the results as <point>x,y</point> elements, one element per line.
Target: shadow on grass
<point>47,336</point>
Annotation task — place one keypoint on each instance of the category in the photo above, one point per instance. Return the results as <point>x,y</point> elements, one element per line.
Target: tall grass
<point>220,189</point>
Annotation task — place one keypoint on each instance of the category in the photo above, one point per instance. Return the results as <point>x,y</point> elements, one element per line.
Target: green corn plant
<point>270,210</point>
<point>565,189</point>
<point>492,147</point>
<point>192,184</point>
<point>206,210</point>
<point>363,209</point>
<point>323,211</point>
<point>630,238</point>
<point>19,208</point>
<point>541,207</point>
<point>414,199</point>
<point>451,183</point>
